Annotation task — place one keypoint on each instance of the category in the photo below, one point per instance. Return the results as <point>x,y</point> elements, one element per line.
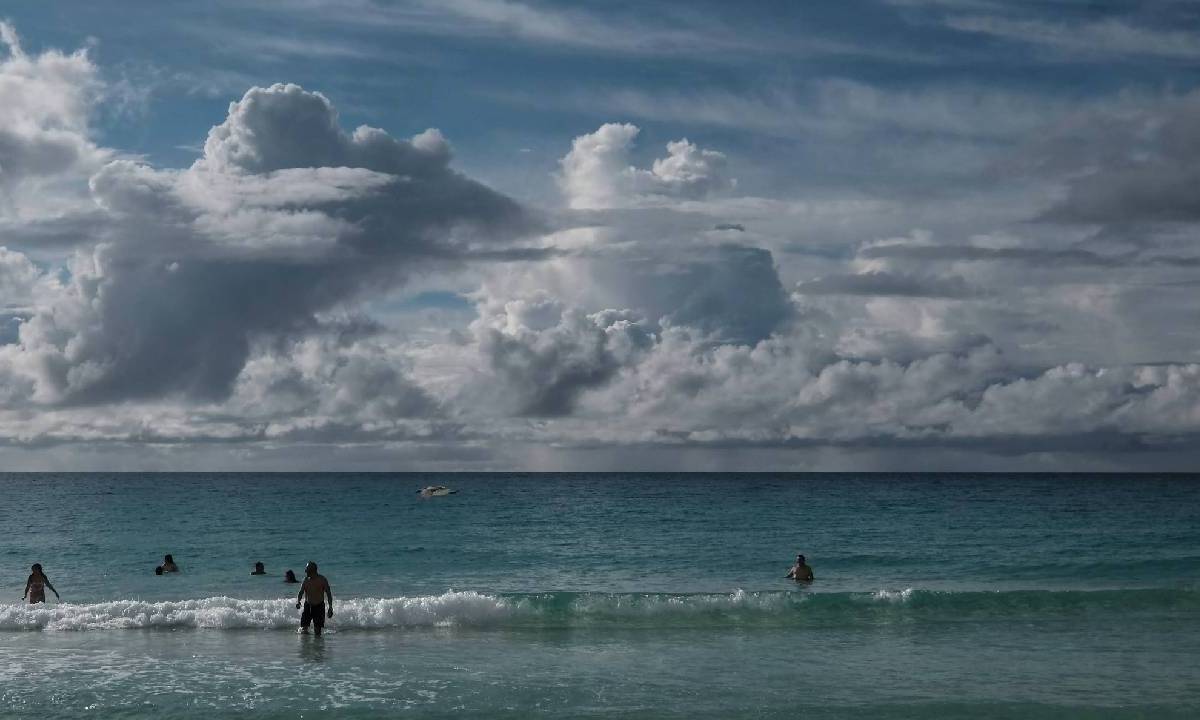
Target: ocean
<point>605,595</point>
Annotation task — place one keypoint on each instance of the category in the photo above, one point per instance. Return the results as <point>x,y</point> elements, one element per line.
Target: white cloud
<point>832,107</point>
<point>791,391</point>
<point>285,216</point>
<point>540,356</point>
<point>45,150</point>
<point>729,293</point>
<point>1090,40</point>
<point>597,173</point>
<point>548,25</point>
<point>18,279</point>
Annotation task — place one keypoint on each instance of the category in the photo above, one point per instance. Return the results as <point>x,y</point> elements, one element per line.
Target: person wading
<point>35,586</point>
<point>313,592</point>
<point>800,572</point>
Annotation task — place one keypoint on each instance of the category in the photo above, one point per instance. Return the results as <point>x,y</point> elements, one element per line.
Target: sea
<point>605,596</point>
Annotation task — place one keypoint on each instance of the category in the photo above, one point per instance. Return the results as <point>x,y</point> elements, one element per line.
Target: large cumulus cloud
<point>285,215</point>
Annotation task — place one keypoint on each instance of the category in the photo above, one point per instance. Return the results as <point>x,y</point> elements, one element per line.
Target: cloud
<point>543,356</point>
<point>925,144</point>
<point>18,279</point>
<point>734,297</point>
<point>284,217</point>
<point>597,173</point>
<point>277,47</point>
<point>551,334</point>
<point>782,389</point>
<point>1037,291</point>
<point>285,126</point>
<point>1130,166</point>
<point>727,292</point>
<point>785,392</point>
<point>834,107</point>
<point>1096,40</point>
<point>887,284</point>
<point>350,375</point>
<point>572,28</point>
<point>548,26</point>
<point>44,144</point>
<point>976,253</point>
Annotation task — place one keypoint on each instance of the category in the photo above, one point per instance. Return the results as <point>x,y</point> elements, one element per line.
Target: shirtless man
<point>800,572</point>
<point>313,592</point>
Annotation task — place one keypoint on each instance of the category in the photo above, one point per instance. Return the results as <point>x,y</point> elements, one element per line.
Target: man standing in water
<point>313,592</point>
<point>800,572</point>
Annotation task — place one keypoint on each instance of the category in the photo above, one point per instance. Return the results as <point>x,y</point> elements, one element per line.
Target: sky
<point>873,235</point>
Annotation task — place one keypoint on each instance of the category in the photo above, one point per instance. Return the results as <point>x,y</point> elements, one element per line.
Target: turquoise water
<point>626,595</point>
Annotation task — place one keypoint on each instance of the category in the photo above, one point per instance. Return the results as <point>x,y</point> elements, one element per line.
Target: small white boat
<point>435,491</point>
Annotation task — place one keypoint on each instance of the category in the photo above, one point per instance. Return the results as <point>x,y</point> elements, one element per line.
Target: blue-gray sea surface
<point>605,595</point>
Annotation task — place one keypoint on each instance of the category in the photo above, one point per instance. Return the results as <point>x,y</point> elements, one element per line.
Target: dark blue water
<point>624,595</point>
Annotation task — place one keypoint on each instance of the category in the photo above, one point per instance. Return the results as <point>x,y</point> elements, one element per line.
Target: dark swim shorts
<point>314,614</point>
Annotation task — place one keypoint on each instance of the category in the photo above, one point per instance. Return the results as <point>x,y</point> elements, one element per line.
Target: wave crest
<point>566,610</point>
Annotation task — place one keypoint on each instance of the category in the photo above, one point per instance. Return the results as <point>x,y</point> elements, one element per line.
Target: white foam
<point>894,596</point>
<point>642,605</point>
<point>450,608</point>
<point>464,609</point>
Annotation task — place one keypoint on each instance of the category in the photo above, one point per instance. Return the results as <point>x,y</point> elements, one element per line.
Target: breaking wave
<point>613,610</point>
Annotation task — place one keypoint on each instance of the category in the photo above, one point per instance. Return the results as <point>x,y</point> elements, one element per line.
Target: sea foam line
<point>450,608</point>
<point>475,609</point>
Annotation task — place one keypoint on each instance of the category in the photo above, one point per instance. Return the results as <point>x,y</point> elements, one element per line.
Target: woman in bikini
<point>35,586</point>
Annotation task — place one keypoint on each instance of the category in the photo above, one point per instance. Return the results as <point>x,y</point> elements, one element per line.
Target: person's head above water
<point>289,576</point>
<point>260,569</point>
<point>158,570</point>
<point>37,568</point>
<point>168,559</point>
<point>310,568</point>
<point>800,560</point>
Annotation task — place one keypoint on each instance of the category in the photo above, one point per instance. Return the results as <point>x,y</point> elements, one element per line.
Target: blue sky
<point>901,233</point>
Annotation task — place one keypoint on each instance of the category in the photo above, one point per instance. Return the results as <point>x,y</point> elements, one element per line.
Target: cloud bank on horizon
<point>924,271</point>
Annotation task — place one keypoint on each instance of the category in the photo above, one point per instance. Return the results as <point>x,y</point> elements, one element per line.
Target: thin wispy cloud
<point>542,24</point>
<point>641,30</point>
<point>1086,40</point>
<point>273,46</point>
<point>831,106</point>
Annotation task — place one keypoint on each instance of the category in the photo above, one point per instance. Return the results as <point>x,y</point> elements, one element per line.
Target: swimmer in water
<point>290,577</point>
<point>800,572</point>
<point>35,586</point>
<point>169,564</point>
<point>259,569</point>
